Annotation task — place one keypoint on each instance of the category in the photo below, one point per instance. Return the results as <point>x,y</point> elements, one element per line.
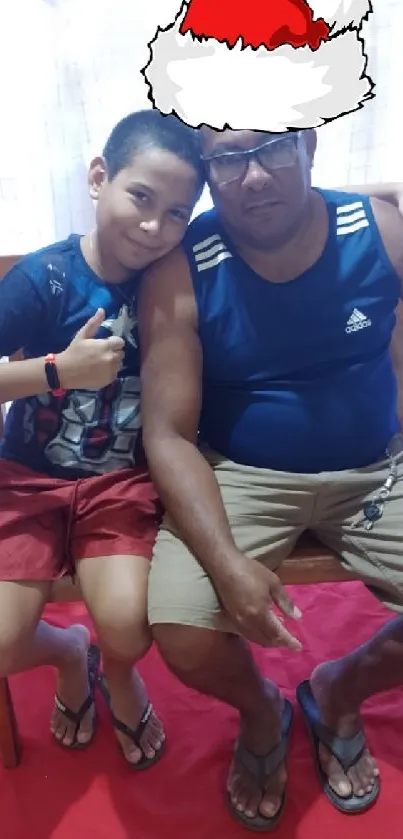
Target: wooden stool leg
<point>10,744</point>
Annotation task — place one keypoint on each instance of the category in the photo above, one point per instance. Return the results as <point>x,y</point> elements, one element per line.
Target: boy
<point>75,494</point>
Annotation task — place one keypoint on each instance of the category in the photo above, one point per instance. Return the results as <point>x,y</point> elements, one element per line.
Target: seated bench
<point>310,563</point>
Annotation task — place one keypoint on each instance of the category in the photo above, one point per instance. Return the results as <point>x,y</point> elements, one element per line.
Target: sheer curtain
<point>72,70</point>
<point>365,147</point>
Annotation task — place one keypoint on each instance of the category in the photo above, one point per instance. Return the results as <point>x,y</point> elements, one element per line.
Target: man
<point>269,334</point>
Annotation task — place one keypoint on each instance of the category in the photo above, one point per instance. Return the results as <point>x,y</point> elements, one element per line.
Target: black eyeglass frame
<point>254,154</point>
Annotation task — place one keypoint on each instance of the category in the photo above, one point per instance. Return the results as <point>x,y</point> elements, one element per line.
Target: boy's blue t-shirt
<point>44,300</point>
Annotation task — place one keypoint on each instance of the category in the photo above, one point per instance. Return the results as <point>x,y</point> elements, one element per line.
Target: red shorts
<point>47,524</point>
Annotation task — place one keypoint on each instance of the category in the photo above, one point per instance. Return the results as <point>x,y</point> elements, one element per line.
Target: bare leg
<point>115,592</point>
<point>341,686</point>
<point>65,590</point>
<point>27,642</point>
<point>222,666</point>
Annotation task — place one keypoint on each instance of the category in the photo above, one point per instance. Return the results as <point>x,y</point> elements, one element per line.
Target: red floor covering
<point>91,795</point>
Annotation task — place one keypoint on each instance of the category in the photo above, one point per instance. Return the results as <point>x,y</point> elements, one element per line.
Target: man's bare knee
<point>184,648</point>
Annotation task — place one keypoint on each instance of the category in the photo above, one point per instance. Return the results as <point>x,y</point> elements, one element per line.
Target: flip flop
<point>262,767</point>
<point>347,750</point>
<point>134,734</point>
<point>93,658</point>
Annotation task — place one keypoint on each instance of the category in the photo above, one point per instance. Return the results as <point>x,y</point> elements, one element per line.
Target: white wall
<point>72,70</point>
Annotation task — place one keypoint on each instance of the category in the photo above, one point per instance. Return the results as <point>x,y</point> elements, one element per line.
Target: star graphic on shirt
<point>124,326</point>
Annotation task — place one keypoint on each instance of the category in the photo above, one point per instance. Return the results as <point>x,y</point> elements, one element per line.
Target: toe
<point>65,731</point>
<point>269,806</point>
<point>68,738</point>
<point>59,732</point>
<point>356,781</point>
<point>362,776</point>
<point>337,779</point>
<point>247,798</point>
<point>151,739</point>
<point>272,799</point>
<point>340,784</point>
<point>241,802</point>
<point>148,751</point>
<point>86,730</point>
<point>127,700</point>
<point>58,726</point>
<point>252,805</point>
<point>150,743</point>
<point>83,737</point>
<point>131,752</point>
<point>240,792</point>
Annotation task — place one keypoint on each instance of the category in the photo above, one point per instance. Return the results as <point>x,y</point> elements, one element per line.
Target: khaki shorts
<point>267,512</point>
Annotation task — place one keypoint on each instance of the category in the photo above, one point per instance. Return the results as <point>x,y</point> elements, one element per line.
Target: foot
<point>342,718</point>
<point>260,733</point>
<point>73,689</point>
<point>128,703</point>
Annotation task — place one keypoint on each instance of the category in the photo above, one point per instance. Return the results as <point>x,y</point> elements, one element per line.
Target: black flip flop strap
<point>134,734</point>
<point>74,716</point>
<point>347,750</point>
<point>93,659</point>
<point>262,767</point>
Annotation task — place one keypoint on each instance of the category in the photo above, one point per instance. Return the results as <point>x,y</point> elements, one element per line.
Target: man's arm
<point>390,225</point>
<point>171,402</point>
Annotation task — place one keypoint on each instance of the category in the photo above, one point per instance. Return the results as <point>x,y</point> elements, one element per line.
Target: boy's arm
<point>22,315</point>
<point>86,363</point>
<point>391,192</point>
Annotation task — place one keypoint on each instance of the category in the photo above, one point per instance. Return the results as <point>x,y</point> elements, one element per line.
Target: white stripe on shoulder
<point>351,218</point>
<point>217,247</point>
<point>212,263</point>
<point>348,208</point>
<point>352,228</point>
<point>201,246</point>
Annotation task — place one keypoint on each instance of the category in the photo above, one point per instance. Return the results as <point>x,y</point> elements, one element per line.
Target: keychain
<point>373,509</point>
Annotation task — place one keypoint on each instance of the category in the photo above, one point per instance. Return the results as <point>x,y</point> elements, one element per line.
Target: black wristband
<point>52,376</point>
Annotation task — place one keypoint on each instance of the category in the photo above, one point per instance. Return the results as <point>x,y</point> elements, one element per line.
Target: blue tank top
<point>298,375</point>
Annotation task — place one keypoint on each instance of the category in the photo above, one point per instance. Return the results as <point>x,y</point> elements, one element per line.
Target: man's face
<point>143,212</point>
<point>261,197</point>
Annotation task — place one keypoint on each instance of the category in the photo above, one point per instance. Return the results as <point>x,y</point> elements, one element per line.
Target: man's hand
<point>248,593</point>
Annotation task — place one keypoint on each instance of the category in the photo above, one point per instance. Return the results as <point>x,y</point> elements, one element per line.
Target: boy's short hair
<point>150,128</point>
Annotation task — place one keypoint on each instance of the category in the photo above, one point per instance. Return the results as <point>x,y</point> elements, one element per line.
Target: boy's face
<point>143,213</point>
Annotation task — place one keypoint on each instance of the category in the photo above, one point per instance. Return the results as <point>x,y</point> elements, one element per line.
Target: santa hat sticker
<point>267,65</point>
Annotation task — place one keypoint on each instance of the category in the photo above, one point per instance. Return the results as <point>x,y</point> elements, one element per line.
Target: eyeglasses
<point>277,153</point>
